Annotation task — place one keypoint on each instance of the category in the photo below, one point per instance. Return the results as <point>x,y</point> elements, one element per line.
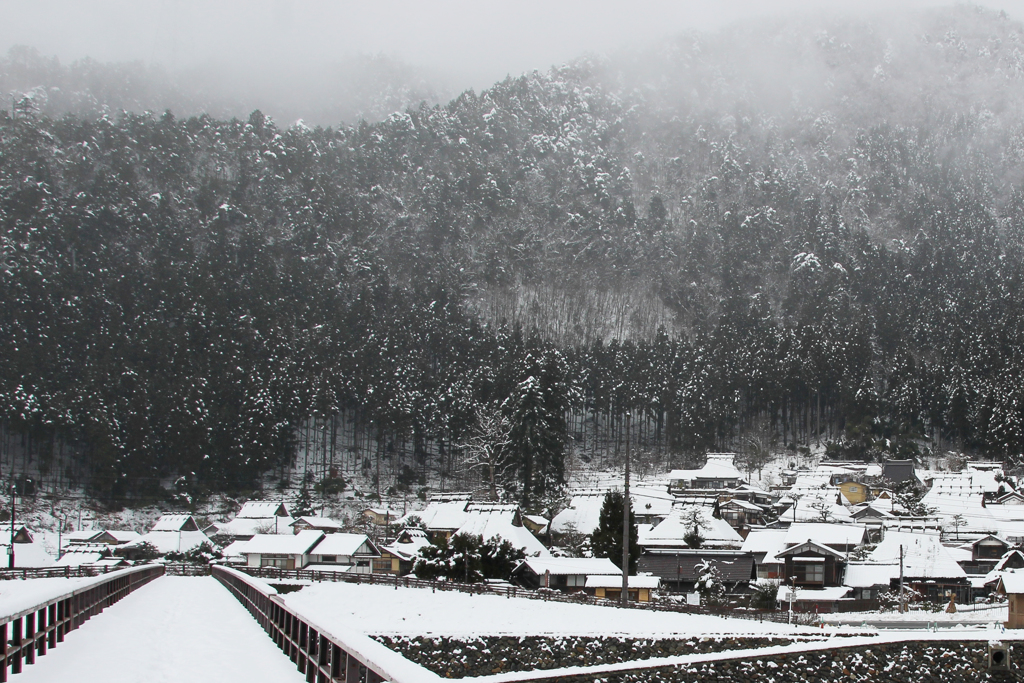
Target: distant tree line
<point>204,301</point>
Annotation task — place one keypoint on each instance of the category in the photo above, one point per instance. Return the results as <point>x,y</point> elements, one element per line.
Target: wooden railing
<point>323,657</point>
<point>33,631</point>
<point>547,595</point>
<point>65,572</point>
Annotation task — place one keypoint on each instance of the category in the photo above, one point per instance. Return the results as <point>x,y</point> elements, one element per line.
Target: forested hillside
<point>773,234</point>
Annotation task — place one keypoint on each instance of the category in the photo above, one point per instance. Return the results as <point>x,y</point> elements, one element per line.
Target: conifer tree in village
<point>606,541</point>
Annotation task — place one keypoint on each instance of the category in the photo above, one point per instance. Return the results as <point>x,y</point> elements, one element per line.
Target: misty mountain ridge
<point>817,234</point>
<point>364,87</point>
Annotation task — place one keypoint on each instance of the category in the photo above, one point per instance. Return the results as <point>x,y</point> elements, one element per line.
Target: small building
<point>382,516</point>
<point>741,515</point>
<point>639,588</point>
<point>854,491</point>
<point>283,551</point>
<point>1011,584</point>
<point>986,552</point>
<point>817,600</point>
<point>308,523</point>
<point>672,533</point>
<point>104,536</point>
<point>812,565</point>
<point>355,553</point>
<point>898,471</point>
<point>404,550</point>
<point>566,574</point>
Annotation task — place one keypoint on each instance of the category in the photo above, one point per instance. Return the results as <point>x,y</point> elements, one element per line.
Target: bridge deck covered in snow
<point>174,629</point>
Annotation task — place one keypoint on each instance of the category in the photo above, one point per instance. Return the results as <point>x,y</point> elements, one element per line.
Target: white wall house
<point>283,551</point>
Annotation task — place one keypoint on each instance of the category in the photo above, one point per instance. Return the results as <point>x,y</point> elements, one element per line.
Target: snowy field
<point>378,610</point>
<point>173,629</point>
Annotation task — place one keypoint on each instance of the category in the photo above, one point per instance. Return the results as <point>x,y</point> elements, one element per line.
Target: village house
<point>404,550</point>
<point>255,517</point>
<point>281,551</point>
<point>680,569</point>
<point>742,515</point>
<point>352,553</point>
<point>566,574</point>
<point>171,533</point>
<point>719,472</point>
<point>383,517</point>
<point>307,523</point>
<point>1012,586</point>
<point>672,533</point>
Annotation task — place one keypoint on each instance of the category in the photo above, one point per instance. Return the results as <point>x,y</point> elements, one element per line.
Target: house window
<point>329,558</point>
<point>809,572</point>
<point>279,561</point>
<point>853,489</point>
<point>576,580</point>
<point>381,565</point>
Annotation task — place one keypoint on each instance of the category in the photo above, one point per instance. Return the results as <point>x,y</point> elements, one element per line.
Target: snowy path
<point>174,629</point>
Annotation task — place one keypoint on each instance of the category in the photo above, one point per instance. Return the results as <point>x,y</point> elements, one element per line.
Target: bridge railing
<point>323,656</point>
<point>31,632</point>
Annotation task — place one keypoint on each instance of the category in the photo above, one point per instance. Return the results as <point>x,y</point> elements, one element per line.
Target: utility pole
<point>624,598</point>
<point>902,610</point>
<point>10,554</point>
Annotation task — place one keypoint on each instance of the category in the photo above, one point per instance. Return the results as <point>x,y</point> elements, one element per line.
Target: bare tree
<point>759,444</point>
<point>487,447</point>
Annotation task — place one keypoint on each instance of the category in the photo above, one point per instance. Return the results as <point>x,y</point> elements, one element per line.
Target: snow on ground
<point>379,610</point>
<point>966,615</point>
<point>173,629</point>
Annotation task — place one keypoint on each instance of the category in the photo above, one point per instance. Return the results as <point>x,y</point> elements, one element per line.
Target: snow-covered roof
<point>282,544</point>
<point>813,508</point>
<point>866,574</point>
<point>170,541</point>
<point>249,526</point>
<point>440,516</point>
<point>497,521</point>
<point>1004,520</point>
<point>742,504</point>
<point>123,536</point>
<point>344,544</point>
<point>234,549</point>
<point>408,543</point>
<point>261,509</point>
<point>583,513</point>
<point>322,523</point>
<point>82,535</point>
<point>565,566</point>
<point>1011,582</point>
<point>77,558</point>
<point>924,556</point>
<point>826,534</point>
<point>716,532</point>
<point>968,481</point>
<point>766,541</point>
<point>175,523</point>
<point>604,581</point>
<point>719,466</point>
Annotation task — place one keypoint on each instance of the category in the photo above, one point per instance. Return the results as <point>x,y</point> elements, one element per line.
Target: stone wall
<point>883,663</point>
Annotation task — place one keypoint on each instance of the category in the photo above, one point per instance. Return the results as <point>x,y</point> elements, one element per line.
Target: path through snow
<point>173,629</point>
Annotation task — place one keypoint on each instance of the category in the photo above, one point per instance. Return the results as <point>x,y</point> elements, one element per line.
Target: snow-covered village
<point>613,342</point>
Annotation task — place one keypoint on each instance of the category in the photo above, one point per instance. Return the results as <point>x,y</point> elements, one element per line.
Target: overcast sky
<point>475,41</point>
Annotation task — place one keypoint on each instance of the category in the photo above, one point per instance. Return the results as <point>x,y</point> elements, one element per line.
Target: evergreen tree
<point>606,541</point>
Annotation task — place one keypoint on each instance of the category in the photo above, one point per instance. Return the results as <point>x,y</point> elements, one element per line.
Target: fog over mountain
<point>803,227</point>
